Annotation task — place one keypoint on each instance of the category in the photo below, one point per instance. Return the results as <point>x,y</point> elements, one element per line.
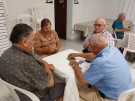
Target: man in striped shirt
<point>99,27</point>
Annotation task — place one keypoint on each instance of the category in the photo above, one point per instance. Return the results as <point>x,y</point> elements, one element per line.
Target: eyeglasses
<point>97,25</point>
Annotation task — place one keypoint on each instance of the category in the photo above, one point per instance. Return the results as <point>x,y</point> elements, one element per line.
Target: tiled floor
<point>76,44</point>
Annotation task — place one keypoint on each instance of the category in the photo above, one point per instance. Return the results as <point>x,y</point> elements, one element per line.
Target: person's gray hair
<point>100,40</point>
<point>122,14</point>
<point>101,20</point>
<point>19,31</point>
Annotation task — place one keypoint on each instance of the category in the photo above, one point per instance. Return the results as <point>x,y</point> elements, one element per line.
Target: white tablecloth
<point>63,69</point>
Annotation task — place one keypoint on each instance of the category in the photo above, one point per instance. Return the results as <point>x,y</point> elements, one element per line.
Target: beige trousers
<point>91,94</point>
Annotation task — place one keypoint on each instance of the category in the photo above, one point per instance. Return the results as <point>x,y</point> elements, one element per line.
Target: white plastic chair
<point>32,96</point>
<point>38,13</point>
<point>117,41</point>
<point>128,95</point>
<point>27,19</point>
<point>129,43</point>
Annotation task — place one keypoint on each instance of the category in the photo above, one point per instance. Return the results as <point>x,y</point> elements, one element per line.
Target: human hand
<point>48,67</point>
<point>56,50</point>
<point>51,67</point>
<point>73,63</point>
<point>127,29</point>
<point>43,62</point>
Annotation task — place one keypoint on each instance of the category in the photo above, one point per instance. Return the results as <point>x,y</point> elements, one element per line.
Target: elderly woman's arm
<point>88,56</point>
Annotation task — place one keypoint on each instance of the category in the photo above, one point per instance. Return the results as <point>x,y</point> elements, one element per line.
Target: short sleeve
<point>39,77</point>
<point>114,25</point>
<point>117,25</point>
<point>93,74</point>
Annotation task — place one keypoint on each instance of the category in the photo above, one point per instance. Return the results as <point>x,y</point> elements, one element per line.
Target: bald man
<point>106,71</point>
<point>118,26</point>
<point>99,27</point>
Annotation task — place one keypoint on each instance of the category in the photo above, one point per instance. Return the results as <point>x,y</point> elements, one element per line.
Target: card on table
<point>71,59</point>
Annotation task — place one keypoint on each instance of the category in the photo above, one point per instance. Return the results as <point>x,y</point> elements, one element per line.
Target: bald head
<point>101,20</point>
<point>99,25</point>
<point>97,42</point>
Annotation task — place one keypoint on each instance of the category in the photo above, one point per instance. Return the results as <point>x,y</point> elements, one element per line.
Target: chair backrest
<point>27,19</point>
<point>6,94</point>
<point>128,95</point>
<point>38,12</point>
<point>116,40</point>
<point>114,33</point>
<point>130,43</point>
<point>27,93</point>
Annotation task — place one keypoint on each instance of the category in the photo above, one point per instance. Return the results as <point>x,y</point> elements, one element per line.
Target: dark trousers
<point>54,93</point>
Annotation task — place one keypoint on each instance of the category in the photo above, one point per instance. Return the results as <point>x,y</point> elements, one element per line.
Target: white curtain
<point>128,7</point>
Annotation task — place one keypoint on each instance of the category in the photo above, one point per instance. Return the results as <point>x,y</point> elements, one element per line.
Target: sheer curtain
<point>4,27</point>
<point>128,7</point>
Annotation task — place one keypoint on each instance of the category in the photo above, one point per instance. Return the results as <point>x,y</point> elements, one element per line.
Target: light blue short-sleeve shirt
<point>109,72</point>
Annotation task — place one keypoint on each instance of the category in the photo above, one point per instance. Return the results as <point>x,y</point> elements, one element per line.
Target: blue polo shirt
<point>109,72</point>
<point>117,24</point>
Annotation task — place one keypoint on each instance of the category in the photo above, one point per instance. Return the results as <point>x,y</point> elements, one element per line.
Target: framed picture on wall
<point>49,1</point>
<point>76,1</point>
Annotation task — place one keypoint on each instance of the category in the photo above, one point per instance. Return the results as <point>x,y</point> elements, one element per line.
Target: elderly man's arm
<point>122,30</point>
<point>88,56</point>
<point>78,72</point>
<point>49,68</point>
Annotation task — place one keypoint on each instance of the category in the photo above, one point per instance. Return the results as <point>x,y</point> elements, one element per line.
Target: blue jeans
<point>54,93</point>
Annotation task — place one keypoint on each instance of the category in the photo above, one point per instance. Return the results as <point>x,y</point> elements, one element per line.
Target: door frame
<point>69,24</point>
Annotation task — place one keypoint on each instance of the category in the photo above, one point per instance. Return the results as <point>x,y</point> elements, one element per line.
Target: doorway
<point>60,9</point>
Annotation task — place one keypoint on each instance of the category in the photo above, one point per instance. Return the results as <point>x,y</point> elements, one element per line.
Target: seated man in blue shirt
<point>118,26</point>
<point>106,71</point>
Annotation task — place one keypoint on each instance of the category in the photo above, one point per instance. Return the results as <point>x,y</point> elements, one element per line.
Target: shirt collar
<point>17,48</point>
<point>100,53</point>
<point>100,32</point>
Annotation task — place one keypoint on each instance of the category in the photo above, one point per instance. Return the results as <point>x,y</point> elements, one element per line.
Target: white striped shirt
<point>104,32</point>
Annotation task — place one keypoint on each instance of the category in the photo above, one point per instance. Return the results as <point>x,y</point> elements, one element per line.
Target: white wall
<point>111,10</point>
<point>69,18</point>
<point>17,7</point>
<point>90,9</point>
<point>86,10</point>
